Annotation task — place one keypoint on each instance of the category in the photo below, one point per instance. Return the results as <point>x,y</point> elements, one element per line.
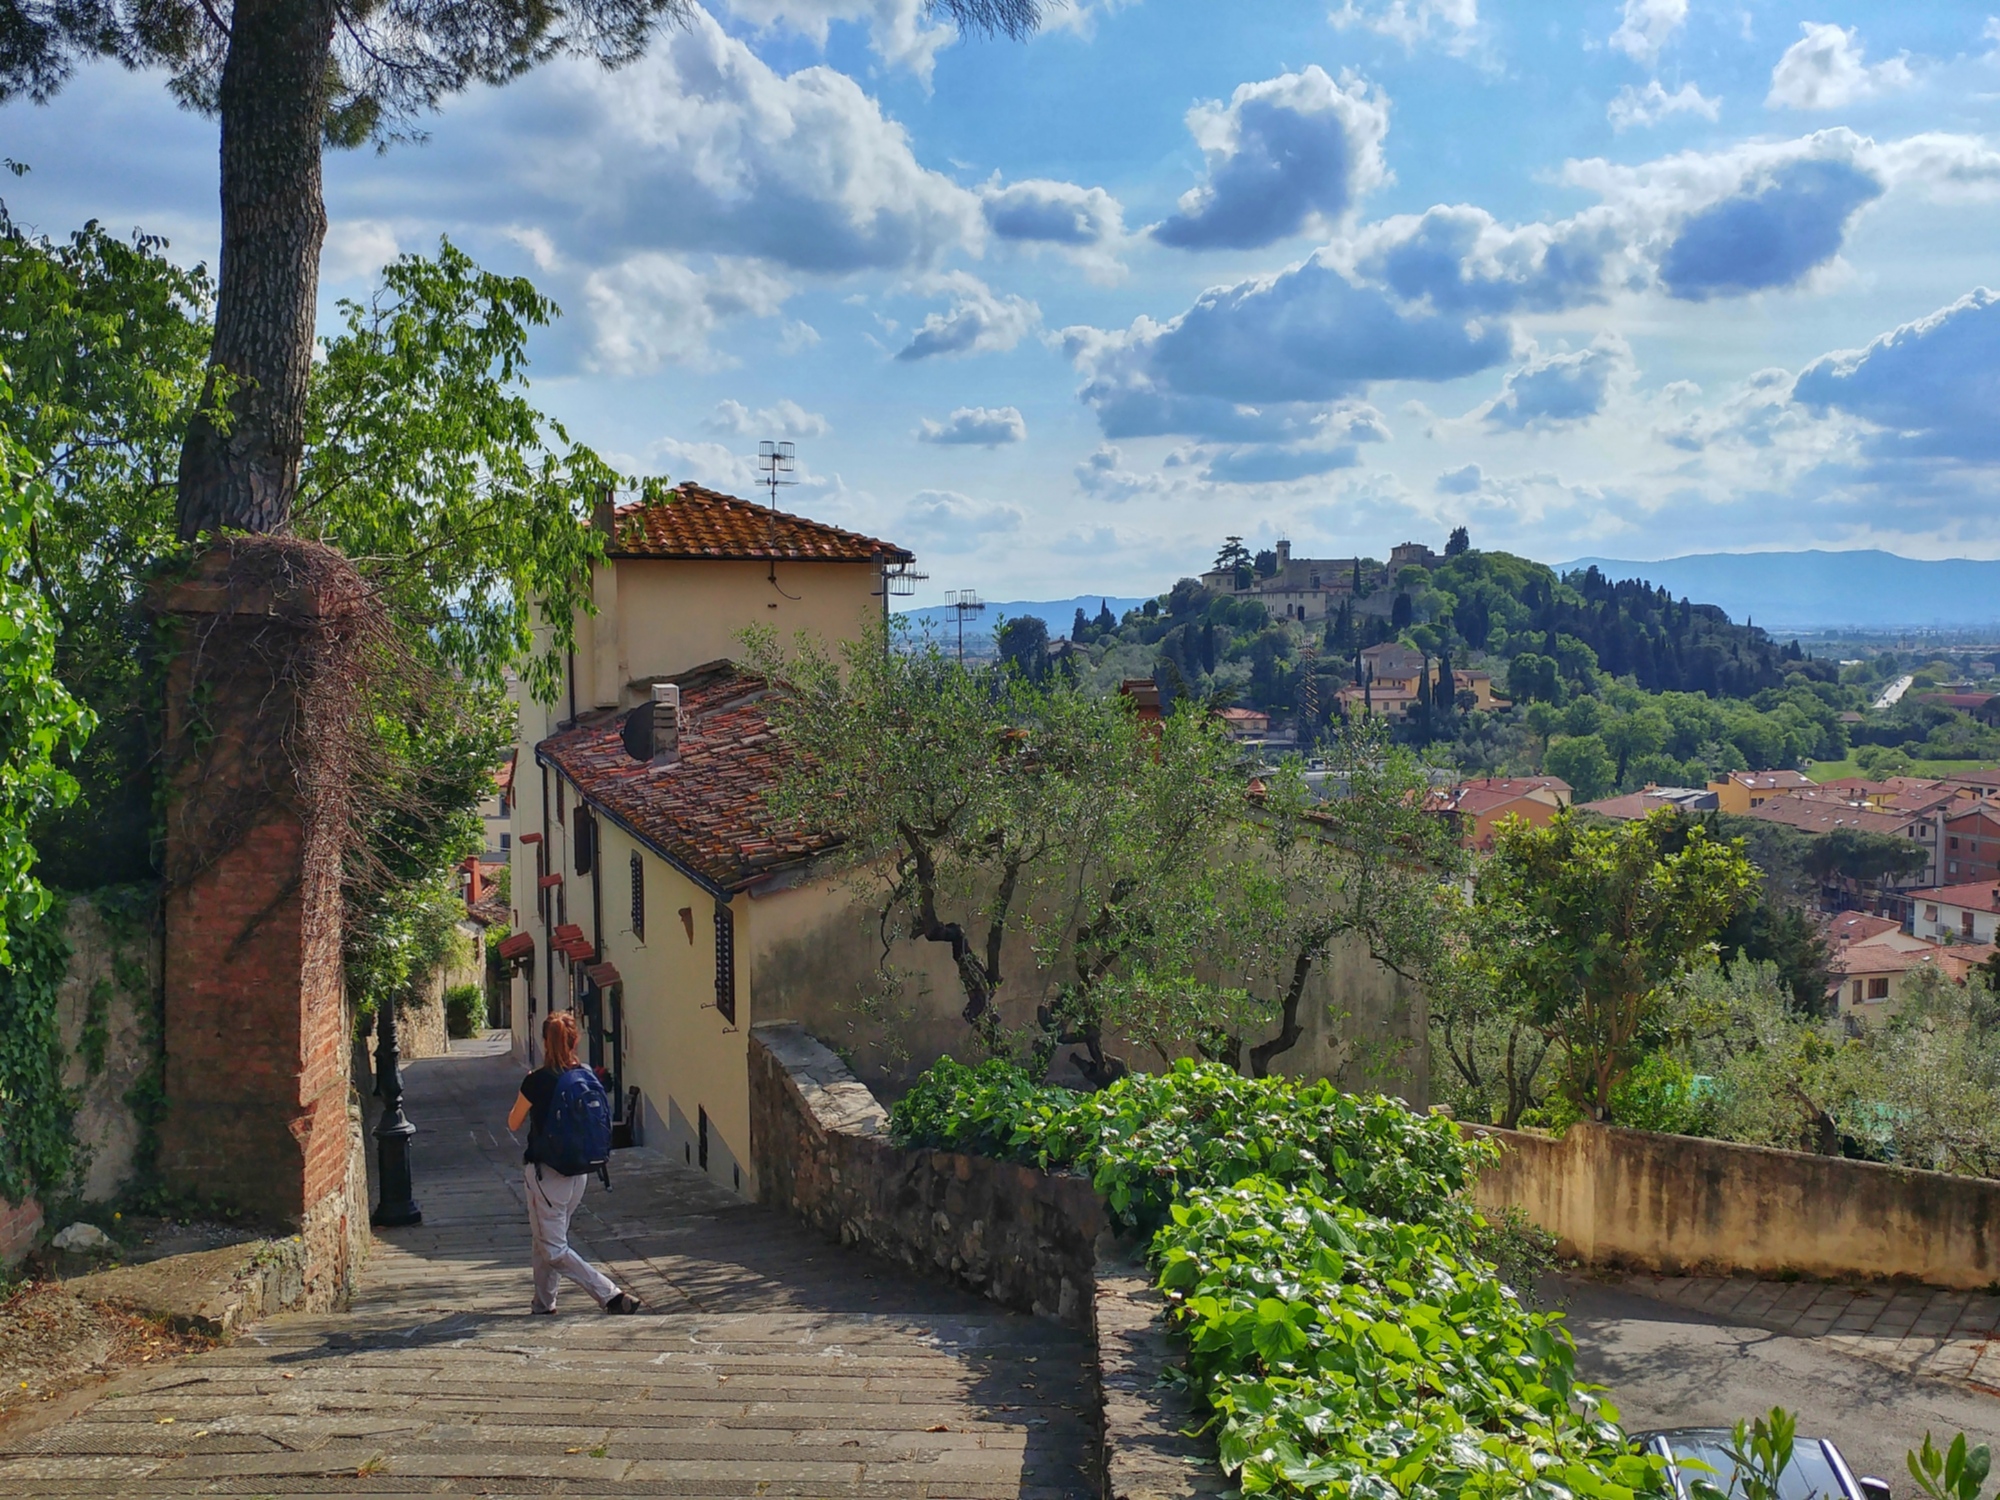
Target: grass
<point>1833,770</point>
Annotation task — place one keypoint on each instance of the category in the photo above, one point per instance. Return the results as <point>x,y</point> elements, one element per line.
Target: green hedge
<point>1316,1248</point>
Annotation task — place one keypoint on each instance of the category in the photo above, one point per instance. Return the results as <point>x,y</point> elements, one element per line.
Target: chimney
<point>604,518</point>
<point>666,723</point>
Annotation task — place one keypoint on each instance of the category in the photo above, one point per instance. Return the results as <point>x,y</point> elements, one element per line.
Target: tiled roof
<point>1519,785</point>
<point>1859,926</point>
<point>1824,817</point>
<point>1771,781</point>
<point>1983,812</point>
<point>690,522</point>
<point>1979,895</point>
<point>706,813</point>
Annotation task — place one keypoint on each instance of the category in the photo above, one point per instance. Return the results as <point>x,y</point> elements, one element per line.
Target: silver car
<point>1816,1472</point>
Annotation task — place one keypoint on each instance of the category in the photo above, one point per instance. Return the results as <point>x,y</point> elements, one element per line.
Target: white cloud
<point>1561,390</point>
<point>1455,23</point>
<point>977,426</point>
<point>1825,70</point>
<point>1648,25</point>
<point>899,30</point>
<point>1929,388</point>
<point>1461,481</point>
<point>1286,155</point>
<point>1039,211</point>
<point>701,146</point>
<point>1652,104</point>
<point>653,309</point>
<point>785,419</point>
<point>978,321</point>
<point>357,249</point>
<point>946,521</point>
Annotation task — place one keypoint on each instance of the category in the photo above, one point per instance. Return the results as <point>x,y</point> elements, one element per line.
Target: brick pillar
<point>256,1047</point>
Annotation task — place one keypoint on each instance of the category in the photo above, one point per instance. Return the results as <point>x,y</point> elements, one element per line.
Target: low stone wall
<point>1037,1242</point>
<point>1680,1205</point>
<point>820,1148</point>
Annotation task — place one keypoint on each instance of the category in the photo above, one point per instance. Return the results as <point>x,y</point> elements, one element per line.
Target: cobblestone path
<point>768,1363</point>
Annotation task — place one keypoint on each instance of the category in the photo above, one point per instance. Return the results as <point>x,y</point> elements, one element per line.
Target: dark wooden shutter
<point>583,840</point>
<point>725,962</point>
<point>638,896</point>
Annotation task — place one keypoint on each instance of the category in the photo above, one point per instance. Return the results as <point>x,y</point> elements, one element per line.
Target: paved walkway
<point>769,1363</point>
<point>1952,1336</point>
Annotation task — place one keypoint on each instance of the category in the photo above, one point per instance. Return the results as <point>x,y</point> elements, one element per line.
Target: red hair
<point>559,1040</point>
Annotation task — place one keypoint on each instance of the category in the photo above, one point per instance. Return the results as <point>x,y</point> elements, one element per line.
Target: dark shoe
<point>543,1312</point>
<point>624,1302</point>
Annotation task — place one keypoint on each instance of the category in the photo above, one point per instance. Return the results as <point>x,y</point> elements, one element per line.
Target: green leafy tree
<point>1372,863</point>
<point>978,808</point>
<point>1584,763</point>
<point>42,718</point>
<point>1595,923</point>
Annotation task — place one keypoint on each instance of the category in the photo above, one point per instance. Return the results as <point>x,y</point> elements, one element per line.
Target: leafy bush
<point>1347,1355</point>
<point>464,1009</point>
<point>1319,1254</point>
<point>1148,1138</point>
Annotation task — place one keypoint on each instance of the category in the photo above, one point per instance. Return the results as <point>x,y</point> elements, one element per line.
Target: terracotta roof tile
<point>690,522</point>
<point>1979,895</point>
<point>706,812</point>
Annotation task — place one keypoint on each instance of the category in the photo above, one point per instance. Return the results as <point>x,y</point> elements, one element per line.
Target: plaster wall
<point>686,1059</point>
<point>660,616</point>
<point>1682,1205</point>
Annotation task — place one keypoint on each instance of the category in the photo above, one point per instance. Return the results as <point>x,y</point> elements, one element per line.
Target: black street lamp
<point>392,1134</point>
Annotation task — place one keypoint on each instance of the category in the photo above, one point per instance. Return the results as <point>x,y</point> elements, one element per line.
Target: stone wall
<point>820,1145</point>
<point>1679,1205</point>
<point>108,1010</point>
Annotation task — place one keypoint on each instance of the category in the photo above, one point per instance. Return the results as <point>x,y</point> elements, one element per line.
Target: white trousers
<point>552,1200</point>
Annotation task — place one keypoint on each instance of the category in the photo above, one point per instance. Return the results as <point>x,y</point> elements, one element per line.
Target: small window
<point>1965,923</point>
<point>725,962</point>
<point>559,799</point>
<point>583,840</point>
<point>1878,989</point>
<point>1930,914</point>
<point>638,896</point>
<point>506,842</point>
<point>1856,992</point>
<point>1951,843</point>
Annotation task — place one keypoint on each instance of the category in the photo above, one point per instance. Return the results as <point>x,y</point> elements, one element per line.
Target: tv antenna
<point>776,462</point>
<point>963,602</point>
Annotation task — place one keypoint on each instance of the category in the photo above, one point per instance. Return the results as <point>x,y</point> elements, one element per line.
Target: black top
<point>539,1089</point>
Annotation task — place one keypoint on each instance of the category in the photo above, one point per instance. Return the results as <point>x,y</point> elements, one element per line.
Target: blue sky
<point>1632,279</point>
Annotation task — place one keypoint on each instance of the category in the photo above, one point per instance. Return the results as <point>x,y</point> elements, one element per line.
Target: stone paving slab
<point>768,1363</point>
<point>1944,1335</point>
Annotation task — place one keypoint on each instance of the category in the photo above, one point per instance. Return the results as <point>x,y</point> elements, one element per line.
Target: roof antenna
<point>776,461</point>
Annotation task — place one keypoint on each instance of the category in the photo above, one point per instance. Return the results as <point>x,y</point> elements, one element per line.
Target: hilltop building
<point>1312,588</point>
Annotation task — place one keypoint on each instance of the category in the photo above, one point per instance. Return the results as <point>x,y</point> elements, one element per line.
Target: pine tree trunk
<point>241,473</point>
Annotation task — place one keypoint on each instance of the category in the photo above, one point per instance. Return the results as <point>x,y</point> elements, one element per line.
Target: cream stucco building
<point>650,892</point>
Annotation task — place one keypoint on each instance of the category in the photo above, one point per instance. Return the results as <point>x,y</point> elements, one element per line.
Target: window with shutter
<point>583,843</point>
<point>725,962</point>
<point>638,896</point>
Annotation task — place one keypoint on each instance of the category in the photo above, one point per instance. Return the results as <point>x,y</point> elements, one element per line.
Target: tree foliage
<point>1593,924</point>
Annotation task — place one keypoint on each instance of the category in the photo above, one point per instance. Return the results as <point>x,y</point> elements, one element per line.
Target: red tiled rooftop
<point>1824,817</point>
<point>707,812</point>
<point>1859,926</point>
<point>691,522</point>
<point>1978,895</point>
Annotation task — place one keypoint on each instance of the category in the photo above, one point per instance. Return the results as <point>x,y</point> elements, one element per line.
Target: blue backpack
<point>576,1132</point>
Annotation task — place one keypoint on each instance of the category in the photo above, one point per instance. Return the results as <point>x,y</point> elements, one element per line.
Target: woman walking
<point>569,1136</point>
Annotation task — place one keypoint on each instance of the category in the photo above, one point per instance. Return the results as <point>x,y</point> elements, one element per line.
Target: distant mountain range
<point>1825,590</point>
<point>1057,614</point>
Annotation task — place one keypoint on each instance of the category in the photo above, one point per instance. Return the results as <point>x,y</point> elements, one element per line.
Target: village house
<point>1630,806</point>
<point>1972,845</point>
<point>1958,913</point>
<point>1815,815</point>
<point>1392,673</point>
<point>1741,791</point>
<point>653,892</point>
<point>1479,806</point>
<point>1876,963</point>
<point>1246,723</point>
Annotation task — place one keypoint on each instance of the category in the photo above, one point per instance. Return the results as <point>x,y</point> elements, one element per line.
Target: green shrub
<point>1319,1253</point>
<point>464,1009</point>
<point>1149,1137</point>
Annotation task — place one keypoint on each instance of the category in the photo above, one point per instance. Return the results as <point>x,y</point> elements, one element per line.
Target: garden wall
<point>1680,1204</point>
<point>1034,1241</point>
<point>820,1146</point>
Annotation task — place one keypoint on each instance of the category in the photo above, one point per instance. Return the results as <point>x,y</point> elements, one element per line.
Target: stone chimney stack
<point>666,723</point>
